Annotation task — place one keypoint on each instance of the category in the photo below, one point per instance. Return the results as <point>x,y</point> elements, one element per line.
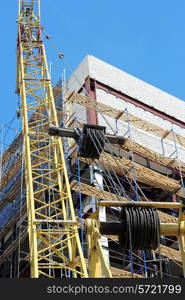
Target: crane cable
<point>54,46</point>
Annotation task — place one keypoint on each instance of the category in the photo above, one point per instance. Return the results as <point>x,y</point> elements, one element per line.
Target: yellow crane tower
<point>52,227</point>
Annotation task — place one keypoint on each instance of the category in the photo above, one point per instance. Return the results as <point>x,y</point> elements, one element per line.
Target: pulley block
<point>92,141</point>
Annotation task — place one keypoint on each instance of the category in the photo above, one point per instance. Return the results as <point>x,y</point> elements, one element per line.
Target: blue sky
<point>145,38</point>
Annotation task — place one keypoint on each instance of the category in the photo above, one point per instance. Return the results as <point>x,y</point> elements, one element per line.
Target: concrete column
<point>98,182</point>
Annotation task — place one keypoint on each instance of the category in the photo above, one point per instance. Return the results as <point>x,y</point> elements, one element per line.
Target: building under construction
<point>93,185</point>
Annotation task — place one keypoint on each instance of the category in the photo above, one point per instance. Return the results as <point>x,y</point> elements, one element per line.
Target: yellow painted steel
<point>166,229</point>
<point>53,233</point>
<point>98,267</point>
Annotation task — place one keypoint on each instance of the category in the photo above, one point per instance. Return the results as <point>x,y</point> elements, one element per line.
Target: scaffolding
<point>134,171</point>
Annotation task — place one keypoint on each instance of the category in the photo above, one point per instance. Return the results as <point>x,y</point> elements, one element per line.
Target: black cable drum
<point>92,142</point>
<point>140,228</point>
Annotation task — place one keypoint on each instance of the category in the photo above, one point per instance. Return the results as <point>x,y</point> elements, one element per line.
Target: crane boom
<point>52,226</point>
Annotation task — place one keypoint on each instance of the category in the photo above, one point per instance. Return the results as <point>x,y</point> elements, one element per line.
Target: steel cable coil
<point>93,142</point>
<point>140,228</point>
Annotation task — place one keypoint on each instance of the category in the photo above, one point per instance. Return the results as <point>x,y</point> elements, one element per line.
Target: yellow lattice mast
<point>54,243</point>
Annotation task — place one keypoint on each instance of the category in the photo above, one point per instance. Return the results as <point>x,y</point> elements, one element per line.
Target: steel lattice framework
<point>53,230</point>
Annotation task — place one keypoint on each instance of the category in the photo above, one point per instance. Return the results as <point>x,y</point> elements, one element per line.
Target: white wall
<point>144,138</point>
<point>135,88</point>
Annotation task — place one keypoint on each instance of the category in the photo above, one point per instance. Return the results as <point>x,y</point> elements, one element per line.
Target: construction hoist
<point>55,248</point>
